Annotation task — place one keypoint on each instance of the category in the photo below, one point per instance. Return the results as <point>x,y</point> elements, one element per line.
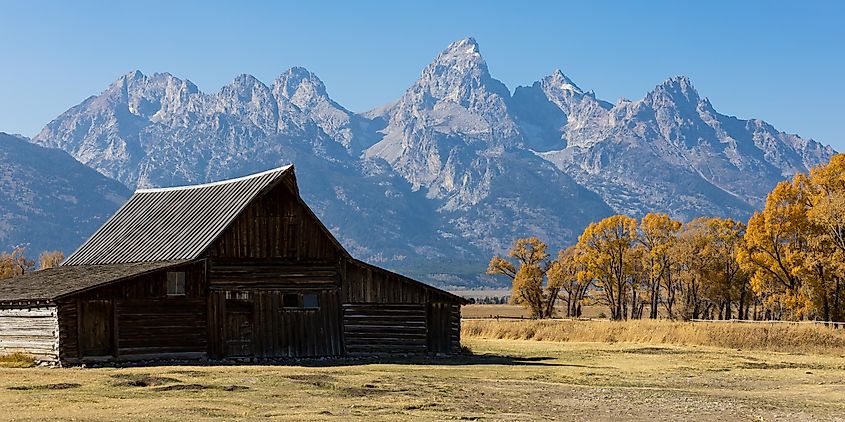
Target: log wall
<point>386,312</point>
<point>33,330</point>
<point>371,328</point>
<point>135,319</point>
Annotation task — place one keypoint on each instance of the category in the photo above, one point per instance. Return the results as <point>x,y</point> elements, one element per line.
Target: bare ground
<point>504,380</point>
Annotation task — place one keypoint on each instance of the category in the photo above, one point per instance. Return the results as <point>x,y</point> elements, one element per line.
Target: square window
<point>290,300</point>
<point>310,301</point>
<point>176,283</point>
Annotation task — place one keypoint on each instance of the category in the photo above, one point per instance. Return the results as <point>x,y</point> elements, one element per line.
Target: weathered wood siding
<point>256,323</point>
<point>385,312</point>
<point>380,328</point>
<point>277,225</point>
<point>141,321</point>
<point>275,247</point>
<point>31,329</point>
<point>369,284</point>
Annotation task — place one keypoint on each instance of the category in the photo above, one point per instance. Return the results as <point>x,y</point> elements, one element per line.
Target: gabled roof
<point>177,223</point>
<point>51,284</point>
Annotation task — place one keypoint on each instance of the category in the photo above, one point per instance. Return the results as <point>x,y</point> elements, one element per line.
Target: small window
<point>309,301</point>
<point>290,300</point>
<point>176,283</point>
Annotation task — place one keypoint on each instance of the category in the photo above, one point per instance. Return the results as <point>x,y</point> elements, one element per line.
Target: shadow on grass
<point>463,359</point>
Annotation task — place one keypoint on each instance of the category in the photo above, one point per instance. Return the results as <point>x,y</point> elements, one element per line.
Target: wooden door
<point>96,335</point>
<point>239,328</point>
<point>439,327</point>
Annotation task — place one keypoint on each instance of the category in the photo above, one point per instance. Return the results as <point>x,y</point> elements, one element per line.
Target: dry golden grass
<point>505,380</point>
<point>772,337</point>
<point>16,360</point>
<point>516,311</point>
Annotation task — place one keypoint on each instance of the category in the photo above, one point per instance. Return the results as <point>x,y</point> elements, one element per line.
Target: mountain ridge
<point>455,168</point>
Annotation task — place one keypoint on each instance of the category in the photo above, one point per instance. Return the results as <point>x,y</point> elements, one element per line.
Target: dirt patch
<point>142,380</point>
<point>317,380</point>
<point>59,386</point>
<point>198,387</point>
<point>190,373</point>
<point>183,387</point>
<point>654,351</point>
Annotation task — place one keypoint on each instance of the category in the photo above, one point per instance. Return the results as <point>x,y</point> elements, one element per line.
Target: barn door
<point>239,328</point>
<point>96,328</point>
<point>439,327</point>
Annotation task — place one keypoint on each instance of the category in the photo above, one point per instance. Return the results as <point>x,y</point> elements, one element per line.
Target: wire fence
<point>833,324</point>
<point>749,321</point>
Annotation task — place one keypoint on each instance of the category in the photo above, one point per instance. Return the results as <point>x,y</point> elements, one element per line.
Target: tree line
<point>16,263</point>
<point>786,262</point>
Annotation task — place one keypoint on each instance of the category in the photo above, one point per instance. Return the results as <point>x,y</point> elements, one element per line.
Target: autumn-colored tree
<point>658,233</point>
<point>15,263</point>
<point>606,247</point>
<point>567,272</point>
<point>776,251</point>
<point>528,275</point>
<point>50,259</point>
<point>693,265</point>
<point>723,283</point>
<point>824,269</point>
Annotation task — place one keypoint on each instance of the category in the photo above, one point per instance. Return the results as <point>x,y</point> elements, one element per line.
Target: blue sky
<point>780,61</point>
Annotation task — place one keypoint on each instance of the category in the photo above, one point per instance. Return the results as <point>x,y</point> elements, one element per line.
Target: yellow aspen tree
<point>50,259</point>
<point>606,246</point>
<point>774,251</point>
<point>658,233</point>
<point>529,285</point>
<point>566,272</point>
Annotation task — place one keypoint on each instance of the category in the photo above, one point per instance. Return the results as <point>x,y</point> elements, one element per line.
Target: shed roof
<point>176,223</point>
<point>51,284</point>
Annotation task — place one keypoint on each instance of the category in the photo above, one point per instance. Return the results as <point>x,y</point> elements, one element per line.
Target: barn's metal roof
<point>176,223</point>
<point>50,284</point>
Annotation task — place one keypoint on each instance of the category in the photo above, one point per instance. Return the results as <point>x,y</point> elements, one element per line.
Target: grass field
<point>775,336</point>
<point>502,380</point>
<point>516,311</point>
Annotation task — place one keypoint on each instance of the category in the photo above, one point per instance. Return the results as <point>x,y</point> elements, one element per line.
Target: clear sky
<point>780,61</point>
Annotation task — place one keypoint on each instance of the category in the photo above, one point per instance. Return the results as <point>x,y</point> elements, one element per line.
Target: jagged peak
<point>466,46</point>
<point>134,74</point>
<point>557,80</point>
<point>297,78</point>
<point>464,53</point>
<point>137,77</point>
<point>456,73</point>
<point>677,89</point>
<point>246,78</point>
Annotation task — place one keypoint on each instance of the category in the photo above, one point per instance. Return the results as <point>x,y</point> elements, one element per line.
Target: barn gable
<point>277,224</point>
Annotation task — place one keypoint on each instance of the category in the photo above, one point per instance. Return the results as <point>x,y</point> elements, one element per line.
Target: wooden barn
<point>235,269</point>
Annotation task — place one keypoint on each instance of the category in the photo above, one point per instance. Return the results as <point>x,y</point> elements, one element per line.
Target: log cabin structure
<point>235,269</point>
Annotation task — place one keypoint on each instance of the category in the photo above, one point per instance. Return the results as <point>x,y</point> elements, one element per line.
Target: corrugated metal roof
<point>176,223</point>
<point>53,283</point>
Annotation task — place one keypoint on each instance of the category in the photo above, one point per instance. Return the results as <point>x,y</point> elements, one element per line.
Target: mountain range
<point>454,170</point>
<point>48,200</point>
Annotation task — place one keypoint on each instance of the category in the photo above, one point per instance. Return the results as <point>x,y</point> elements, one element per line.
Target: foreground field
<point>505,380</point>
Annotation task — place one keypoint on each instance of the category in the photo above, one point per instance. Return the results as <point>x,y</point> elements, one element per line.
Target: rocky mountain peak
<point>442,171</point>
<point>459,74</point>
<point>300,85</point>
<point>677,90</point>
<point>558,81</point>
